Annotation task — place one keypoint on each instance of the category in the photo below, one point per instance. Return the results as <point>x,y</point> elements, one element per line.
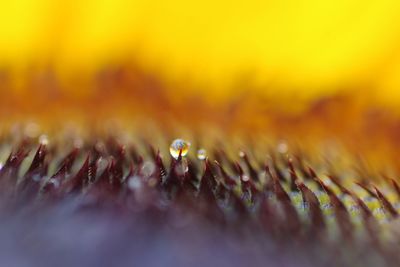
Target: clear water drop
<point>201,154</point>
<point>179,146</point>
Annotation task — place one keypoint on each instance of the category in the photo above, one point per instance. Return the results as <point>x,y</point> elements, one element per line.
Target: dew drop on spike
<point>201,154</point>
<point>179,145</point>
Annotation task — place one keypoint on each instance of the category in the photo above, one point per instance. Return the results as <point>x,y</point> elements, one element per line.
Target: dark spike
<point>316,215</point>
<point>35,172</point>
<point>228,180</point>
<point>341,213</point>
<point>38,160</point>
<point>76,183</point>
<point>253,173</point>
<point>66,165</point>
<point>292,218</point>
<point>13,162</point>
<point>395,186</point>
<point>160,168</point>
<point>293,176</point>
<point>365,187</point>
<point>336,181</point>
<point>276,168</point>
<point>313,175</point>
<point>386,203</point>
<point>207,182</point>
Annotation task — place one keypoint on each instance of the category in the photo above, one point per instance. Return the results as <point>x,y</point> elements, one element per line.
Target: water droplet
<point>201,154</point>
<point>179,146</point>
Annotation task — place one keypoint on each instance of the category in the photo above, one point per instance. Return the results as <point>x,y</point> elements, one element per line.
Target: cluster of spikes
<point>282,199</point>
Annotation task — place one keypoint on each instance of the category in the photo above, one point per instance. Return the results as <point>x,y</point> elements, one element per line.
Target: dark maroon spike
<point>174,179</point>
<point>118,165</point>
<point>362,169</point>
<point>267,215</point>
<point>247,184</point>
<point>207,182</point>
<point>317,217</point>
<point>238,205</point>
<point>189,180</point>
<point>269,186</point>
<point>336,181</point>
<point>292,218</point>
<point>313,175</point>
<point>180,155</point>
<point>248,187</point>
<point>276,168</point>
<point>228,180</point>
<point>66,164</point>
<point>218,155</point>
<point>369,220</point>
<point>102,186</point>
<point>188,186</point>
<point>239,169</point>
<point>293,176</point>
<point>131,171</point>
<point>341,214</point>
<point>35,172</point>
<point>395,186</point>
<point>75,184</point>
<point>58,178</point>
<point>386,203</point>
<point>112,146</point>
<point>301,166</point>
<point>221,156</point>
<point>14,160</point>
<point>116,172</point>
<point>98,149</point>
<point>222,192</point>
<point>208,173</point>
<point>92,171</point>
<point>160,168</point>
<point>139,163</point>
<point>208,205</point>
<point>365,187</point>
<point>366,212</point>
<point>104,177</point>
<point>134,155</point>
<point>38,160</point>
<point>153,152</point>
<point>253,173</point>
<point>193,172</point>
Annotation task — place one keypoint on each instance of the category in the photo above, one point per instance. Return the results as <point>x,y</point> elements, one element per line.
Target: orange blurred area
<point>311,70</point>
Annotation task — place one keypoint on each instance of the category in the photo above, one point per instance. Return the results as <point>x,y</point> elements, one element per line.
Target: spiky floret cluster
<point>277,210</point>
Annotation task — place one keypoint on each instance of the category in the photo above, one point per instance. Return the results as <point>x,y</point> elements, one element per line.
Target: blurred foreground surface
<point>123,200</point>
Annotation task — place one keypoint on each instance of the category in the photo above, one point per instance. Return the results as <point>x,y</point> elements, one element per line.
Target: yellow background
<point>306,48</point>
